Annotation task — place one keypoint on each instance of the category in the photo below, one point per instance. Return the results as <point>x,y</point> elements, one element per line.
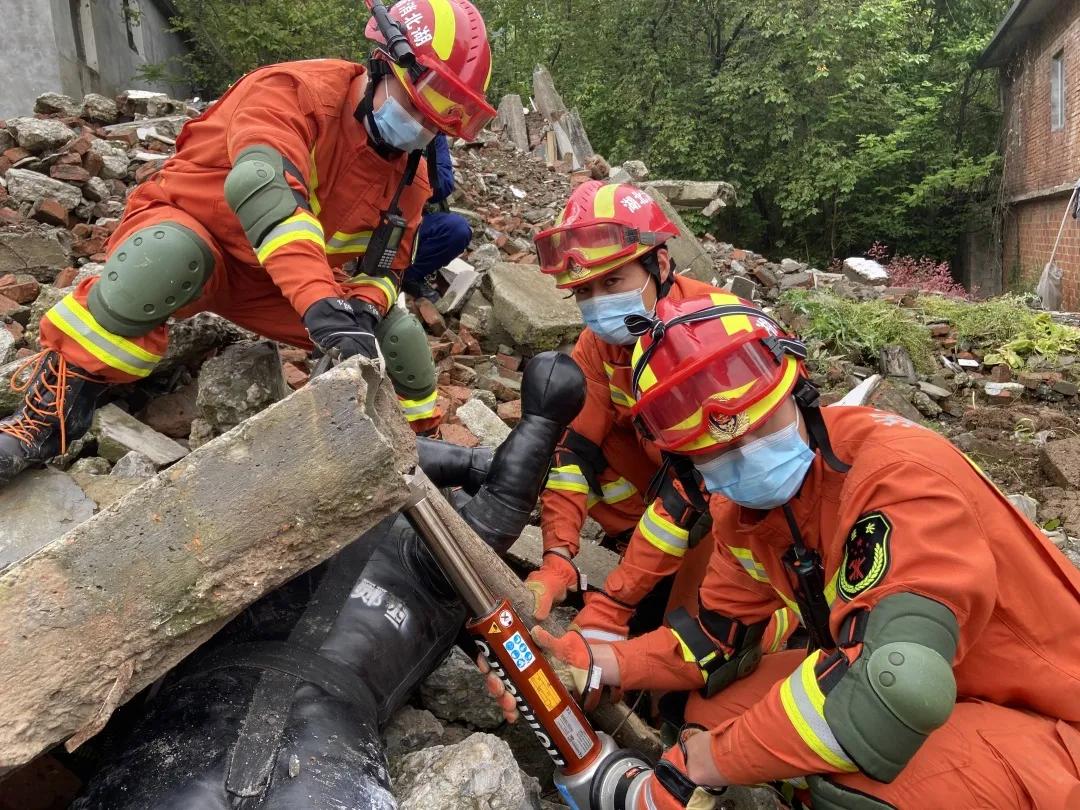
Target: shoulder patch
<point>866,555</point>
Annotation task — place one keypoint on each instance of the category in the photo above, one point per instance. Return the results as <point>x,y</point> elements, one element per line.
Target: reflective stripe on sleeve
<point>605,636</point>
<point>781,621</point>
<point>349,242</point>
<point>804,704</point>
<point>749,563</point>
<point>688,655</point>
<point>300,227</point>
<point>385,285</point>
<point>662,533</point>
<point>567,478</point>
<point>614,491</point>
<point>75,321</point>
<point>416,410</point>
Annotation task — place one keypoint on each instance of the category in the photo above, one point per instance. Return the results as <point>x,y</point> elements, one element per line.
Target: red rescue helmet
<point>708,369</point>
<point>450,42</point>
<point>602,227</point>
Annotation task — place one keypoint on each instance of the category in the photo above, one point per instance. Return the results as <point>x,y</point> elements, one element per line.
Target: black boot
<point>57,408</point>
<point>421,289</point>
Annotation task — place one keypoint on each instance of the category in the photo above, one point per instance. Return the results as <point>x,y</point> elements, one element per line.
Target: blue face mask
<point>605,314</point>
<point>398,128</point>
<point>761,474</point>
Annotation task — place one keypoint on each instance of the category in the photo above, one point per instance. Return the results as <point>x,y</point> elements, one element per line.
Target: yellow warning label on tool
<point>494,628</point>
<point>539,681</point>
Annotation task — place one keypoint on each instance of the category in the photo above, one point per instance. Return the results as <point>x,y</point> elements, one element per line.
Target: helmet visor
<point>441,97</point>
<point>585,245</point>
<point>710,394</point>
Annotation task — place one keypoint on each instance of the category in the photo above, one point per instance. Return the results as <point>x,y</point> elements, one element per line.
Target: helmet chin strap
<point>652,266</point>
<point>808,402</point>
<point>378,71</point>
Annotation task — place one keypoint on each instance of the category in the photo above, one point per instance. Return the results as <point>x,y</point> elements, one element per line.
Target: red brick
<point>148,170</point>
<point>50,211</point>
<point>82,231</point>
<point>16,153</point>
<point>295,376</point>
<point>24,292</point>
<point>457,394</point>
<point>88,247</point>
<point>458,434</point>
<point>5,164</point>
<point>15,329</point>
<point>510,412</point>
<point>472,345</point>
<point>10,217</point>
<point>440,349</point>
<point>7,306</point>
<point>129,137</point>
<point>71,174</point>
<point>510,362</point>
<point>65,277</point>
<point>81,145</point>
<point>1001,373</point>
<point>431,317</point>
<point>93,163</point>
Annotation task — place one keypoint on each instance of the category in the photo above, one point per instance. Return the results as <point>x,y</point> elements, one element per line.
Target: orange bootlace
<point>26,427</point>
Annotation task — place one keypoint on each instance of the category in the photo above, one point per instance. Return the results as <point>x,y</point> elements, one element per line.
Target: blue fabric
<point>445,181</point>
<point>605,315</point>
<point>761,474</point>
<point>442,238</point>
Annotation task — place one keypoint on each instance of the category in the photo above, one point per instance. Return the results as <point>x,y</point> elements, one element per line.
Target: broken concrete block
<point>593,560</point>
<point>512,117</point>
<point>134,465</point>
<point>526,304</point>
<point>464,281</point>
<point>91,465</point>
<point>480,771</point>
<point>38,507</point>
<point>238,383</point>
<point>1026,504</point>
<point>546,97</point>
<point>7,346</point>
<point>191,339</point>
<point>637,170</point>
<point>866,271</point>
<point>56,104</point>
<point>690,257</point>
<point>483,423</point>
<point>410,730</point>
<point>455,693</point>
<point>934,391</point>
<point>1061,461</point>
<point>48,296</point>
<point>485,257</point>
<point>118,433</point>
<point>100,109</point>
<point>28,187</point>
<point>146,581</point>
<point>693,195</point>
<point>173,413</point>
<point>896,362</point>
<point>39,135</point>
<point>105,490</point>
<point>114,158</point>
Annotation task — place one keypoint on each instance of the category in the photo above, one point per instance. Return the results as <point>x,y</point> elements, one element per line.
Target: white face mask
<point>605,315</point>
<point>398,128</point>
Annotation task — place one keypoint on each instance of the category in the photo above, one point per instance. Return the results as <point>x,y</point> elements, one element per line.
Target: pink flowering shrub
<point>923,274</point>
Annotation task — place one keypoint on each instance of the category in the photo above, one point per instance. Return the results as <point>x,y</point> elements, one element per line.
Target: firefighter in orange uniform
<point>944,669</point>
<point>608,249</point>
<point>271,192</point>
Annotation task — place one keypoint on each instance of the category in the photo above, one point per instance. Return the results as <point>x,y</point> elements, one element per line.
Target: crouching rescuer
<point>943,668</point>
<point>300,170</point>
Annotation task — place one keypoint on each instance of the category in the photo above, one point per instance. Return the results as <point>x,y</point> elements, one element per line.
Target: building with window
<point>1037,49</point>
<point>82,46</point>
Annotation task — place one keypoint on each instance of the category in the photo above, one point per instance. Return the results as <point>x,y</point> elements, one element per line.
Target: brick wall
<point>1037,159</point>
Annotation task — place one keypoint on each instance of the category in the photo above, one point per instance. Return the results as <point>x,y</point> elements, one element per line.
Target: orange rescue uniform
<point>1013,739</point>
<point>304,110</point>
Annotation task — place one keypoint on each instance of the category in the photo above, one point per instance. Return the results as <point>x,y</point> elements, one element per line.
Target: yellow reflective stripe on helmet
<point>568,478</point>
<point>417,409</point>
<point>747,560</point>
<point>804,704</point>
<point>689,656</point>
<point>300,227</point>
<point>75,321</point>
<point>662,533</point>
<point>385,285</point>
<point>349,242</point>
<point>604,201</point>
<point>313,183</point>
<point>781,623</point>
<point>445,29</point>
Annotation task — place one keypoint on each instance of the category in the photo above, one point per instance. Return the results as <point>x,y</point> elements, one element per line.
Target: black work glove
<point>348,326</point>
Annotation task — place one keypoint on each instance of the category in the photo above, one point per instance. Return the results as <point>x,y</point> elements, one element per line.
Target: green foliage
<point>840,122</point>
<point>859,330</point>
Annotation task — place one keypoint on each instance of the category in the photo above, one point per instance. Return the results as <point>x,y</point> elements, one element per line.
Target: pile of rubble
<point>64,176</point>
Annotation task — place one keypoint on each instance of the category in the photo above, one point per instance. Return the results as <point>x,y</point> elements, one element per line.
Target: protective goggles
<point>590,245</point>
<point>441,97</point>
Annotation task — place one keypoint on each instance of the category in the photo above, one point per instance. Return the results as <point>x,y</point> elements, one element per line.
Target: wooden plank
<point>106,609</point>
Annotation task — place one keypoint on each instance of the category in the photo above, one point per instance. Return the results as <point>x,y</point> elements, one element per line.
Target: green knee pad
<point>827,795</point>
<point>900,688</point>
<point>258,192</point>
<point>153,273</point>
<point>408,358</point>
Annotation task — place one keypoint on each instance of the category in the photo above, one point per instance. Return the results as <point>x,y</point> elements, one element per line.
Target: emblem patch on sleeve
<point>866,555</point>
